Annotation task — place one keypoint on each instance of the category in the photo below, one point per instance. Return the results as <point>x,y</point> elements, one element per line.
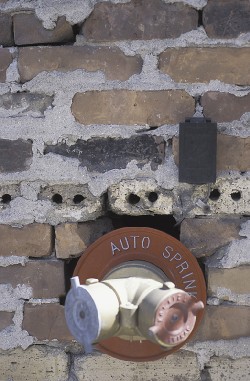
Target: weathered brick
<point>235,280</point>
<point>154,108</point>
<point>33,240</point>
<point>5,319</point>
<point>5,61</point>
<point>226,64</point>
<point>46,278</point>
<point>25,103</point>
<point>112,61</point>
<point>180,366</point>
<point>222,323</point>
<point>102,155</point>
<point>6,38</point>
<point>224,107</point>
<point>37,363</point>
<point>52,324</point>
<point>225,19</point>
<point>72,239</point>
<point>203,236</point>
<point>138,20</point>
<point>232,152</point>
<point>15,155</point>
<point>24,23</point>
<point>219,368</point>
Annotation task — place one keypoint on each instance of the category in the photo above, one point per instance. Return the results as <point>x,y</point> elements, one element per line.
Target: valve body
<point>132,308</point>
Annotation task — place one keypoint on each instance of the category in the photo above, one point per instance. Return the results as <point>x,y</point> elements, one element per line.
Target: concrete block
<point>139,197</point>
<point>37,363</point>
<point>219,368</point>
<point>180,366</point>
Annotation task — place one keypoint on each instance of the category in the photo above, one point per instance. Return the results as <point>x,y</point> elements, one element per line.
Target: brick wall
<point>91,96</point>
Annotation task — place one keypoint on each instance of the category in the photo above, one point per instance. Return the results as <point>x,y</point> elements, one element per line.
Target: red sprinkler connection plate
<point>153,246</point>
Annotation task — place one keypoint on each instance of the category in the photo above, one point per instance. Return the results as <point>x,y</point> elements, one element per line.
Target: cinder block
<point>139,197</point>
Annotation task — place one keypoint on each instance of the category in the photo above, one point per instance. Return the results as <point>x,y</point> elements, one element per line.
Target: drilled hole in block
<point>153,196</point>
<point>236,195</point>
<point>78,198</point>
<point>133,199</point>
<point>57,198</point>
<point>214,195</point>
<point>6,198</point>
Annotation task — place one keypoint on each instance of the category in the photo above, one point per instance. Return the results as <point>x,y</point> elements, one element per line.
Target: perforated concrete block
<point>139,197</point>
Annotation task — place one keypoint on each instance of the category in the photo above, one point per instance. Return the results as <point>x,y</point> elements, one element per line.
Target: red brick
<point>223,107</point>
<point>5,61</point>
<point>203,236</point>
<point>46,322</point>
<point>6,38</point>
<point>224,323</point>
<point>72,239</point>
<point>136,20</point>
<point>233,153</point>
<point>226,19</point>
<point>112,61</point>
<point>26,22</point>
<point>235,279</point>
<point>46,278</point>
<point>33,240</point>
<point>154,108</point>
<point>226,64</point>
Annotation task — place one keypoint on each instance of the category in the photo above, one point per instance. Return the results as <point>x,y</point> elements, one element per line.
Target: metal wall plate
<point>197,151</point>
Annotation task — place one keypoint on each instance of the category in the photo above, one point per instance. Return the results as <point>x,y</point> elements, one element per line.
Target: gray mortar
<point>12,299</point>
<point>237,253</point>
<point>233,349</point>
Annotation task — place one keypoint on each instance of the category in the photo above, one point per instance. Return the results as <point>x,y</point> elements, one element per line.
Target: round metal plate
<point>153,246</point>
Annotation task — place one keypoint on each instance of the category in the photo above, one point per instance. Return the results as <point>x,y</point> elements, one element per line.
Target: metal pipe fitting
<point>131,308</point>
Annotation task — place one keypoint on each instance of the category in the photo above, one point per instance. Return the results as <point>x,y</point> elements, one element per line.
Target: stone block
<point>104,154</point>
<point>52,324</point>
<point>219,368</point>
<point>24,104</point>
<point>6,38</point>
<point>15,155</point>
<point>37,363</point>
<point>188,65</point>
<point>225,19</point>
<point>112,61</point>
<point>6,319</point>
<point>5,61</point>
<point>46,278</point>
<point>224,322</point>
<point>153,108</point>
<point>72,239</point>
<point>179,366</point>
<point>139,197</point>
<point>222,282</point>
<point>33,240</point>
<point>203,236</point>
<point>224,107</point>
<point>24,23</point>
<point>139,20</point>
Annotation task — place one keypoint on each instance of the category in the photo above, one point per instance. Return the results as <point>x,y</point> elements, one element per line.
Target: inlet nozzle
<point>131,308</point>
